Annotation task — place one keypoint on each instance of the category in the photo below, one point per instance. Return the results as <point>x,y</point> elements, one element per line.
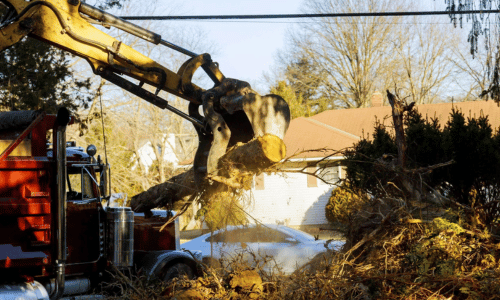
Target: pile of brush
<point>400,257</point>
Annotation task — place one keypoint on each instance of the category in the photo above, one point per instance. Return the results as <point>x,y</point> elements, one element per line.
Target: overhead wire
<point>311,22</point>
<point>300,16</point>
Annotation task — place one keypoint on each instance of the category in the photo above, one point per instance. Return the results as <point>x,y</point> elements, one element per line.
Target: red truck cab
<point>56,237</point>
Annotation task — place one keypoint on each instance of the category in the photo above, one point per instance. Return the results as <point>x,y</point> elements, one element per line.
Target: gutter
<point>307,159</point>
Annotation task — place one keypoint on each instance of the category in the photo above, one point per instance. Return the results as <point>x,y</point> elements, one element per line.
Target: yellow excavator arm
<point>66,25</point>
<point>233,112</point>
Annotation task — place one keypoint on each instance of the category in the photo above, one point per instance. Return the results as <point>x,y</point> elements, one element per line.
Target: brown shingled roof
<point>338,129</point>
<point>307,134</point>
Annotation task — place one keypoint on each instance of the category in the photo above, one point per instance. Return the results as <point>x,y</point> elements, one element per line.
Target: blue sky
<point>245,48</point>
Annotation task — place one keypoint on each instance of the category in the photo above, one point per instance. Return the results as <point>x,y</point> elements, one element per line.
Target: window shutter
<point>259,182</point>
<point>312,181</point>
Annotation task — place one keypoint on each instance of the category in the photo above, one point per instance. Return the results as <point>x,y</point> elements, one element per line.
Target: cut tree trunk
<point>173,190</point>
<point>236,169</point>
<point>398,108</point>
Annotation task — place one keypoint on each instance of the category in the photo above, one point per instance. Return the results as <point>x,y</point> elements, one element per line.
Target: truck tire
<point>178,269</point>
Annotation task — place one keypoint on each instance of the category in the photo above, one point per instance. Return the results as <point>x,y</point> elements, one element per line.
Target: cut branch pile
<point>406,258</point>
<point>399,258</point>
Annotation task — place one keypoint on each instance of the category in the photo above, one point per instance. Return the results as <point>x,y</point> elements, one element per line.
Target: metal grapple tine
<point>267,114</point>
<point>220,131</point>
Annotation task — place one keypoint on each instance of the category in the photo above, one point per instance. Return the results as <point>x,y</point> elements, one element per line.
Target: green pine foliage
<point>294,99</point>
<point>361,169</point>
<point>35,75</point>
<point>473,179</point>
<point>300,106</point>
<point>343,205</point>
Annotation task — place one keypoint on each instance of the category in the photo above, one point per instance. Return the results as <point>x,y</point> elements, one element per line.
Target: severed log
<point>236,169</point>
<point>173,190</point>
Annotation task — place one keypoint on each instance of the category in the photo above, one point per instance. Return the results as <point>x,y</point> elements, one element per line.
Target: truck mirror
<point>91,150</point>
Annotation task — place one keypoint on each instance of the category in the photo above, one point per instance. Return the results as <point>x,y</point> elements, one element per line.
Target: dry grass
<point>404,259</point>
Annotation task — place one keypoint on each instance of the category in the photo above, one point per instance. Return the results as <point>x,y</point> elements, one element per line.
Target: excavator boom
<point>233,112</point>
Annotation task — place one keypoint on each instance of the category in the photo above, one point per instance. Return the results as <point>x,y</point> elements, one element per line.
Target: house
<point>298,199</point>
<point>171,148</point>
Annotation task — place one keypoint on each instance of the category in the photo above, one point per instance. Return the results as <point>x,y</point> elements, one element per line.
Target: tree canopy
<point>334,63</point>
<point>484,30</point>
<point>35,75</point>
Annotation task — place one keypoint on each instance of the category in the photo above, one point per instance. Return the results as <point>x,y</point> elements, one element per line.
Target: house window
<point>330,174</point>
<point>259,181</point>
<point>312,181</point>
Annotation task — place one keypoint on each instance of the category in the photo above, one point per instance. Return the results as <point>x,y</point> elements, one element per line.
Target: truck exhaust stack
<point>62,120</point>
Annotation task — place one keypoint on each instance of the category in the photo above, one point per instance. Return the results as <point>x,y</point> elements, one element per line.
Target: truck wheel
<point>177,270</point>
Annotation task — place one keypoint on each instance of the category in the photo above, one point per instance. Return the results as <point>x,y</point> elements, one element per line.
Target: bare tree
<point>483,34</point>
<point>347,54</point>
<point>422,65</point>
<point>473,73</point>
<point>339,62</point>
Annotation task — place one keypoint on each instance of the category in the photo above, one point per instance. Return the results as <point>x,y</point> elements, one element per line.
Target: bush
<point>342,205</point>
<point>472,180</point>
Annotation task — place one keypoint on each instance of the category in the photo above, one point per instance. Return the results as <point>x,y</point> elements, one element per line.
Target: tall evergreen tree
<point>35,75</point>
<point>470,143</point>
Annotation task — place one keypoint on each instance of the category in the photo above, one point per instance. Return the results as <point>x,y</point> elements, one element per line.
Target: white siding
<point>147,154</point>
<point>287,199</point>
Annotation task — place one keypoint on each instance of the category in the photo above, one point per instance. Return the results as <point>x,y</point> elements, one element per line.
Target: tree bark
<point>173,190</point>
<point>415,191</point>
<point>397,117</point>
<point>236,169</point>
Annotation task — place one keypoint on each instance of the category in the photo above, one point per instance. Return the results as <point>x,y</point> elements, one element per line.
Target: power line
<point>313,22</point>
<point>297,16</point>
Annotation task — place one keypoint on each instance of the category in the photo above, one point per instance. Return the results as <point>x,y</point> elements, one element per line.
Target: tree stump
<point>237,167</point>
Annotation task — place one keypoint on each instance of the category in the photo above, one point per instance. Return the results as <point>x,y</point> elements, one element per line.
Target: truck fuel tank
<point>120,231</point>
<point>26,291</point>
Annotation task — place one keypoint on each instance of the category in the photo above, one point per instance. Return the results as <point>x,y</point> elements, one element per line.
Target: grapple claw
<point>235,113</point>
